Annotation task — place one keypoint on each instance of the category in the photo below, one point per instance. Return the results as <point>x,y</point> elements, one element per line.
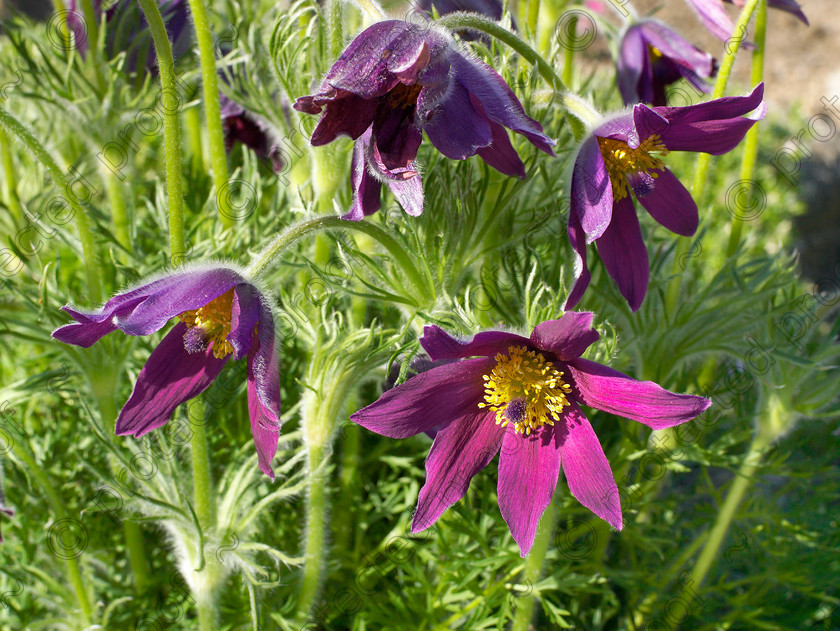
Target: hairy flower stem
<point>192,123</point>
<point>321,410</point>
<point>103,387</point>
<point>533,568</point>
<point>572,103</point>
<point>420,283</point>
<point>212,108</point>
<point>171,130</point>
<point>751,140</point>
<point>203,496</point>
<point>703,160</point>
<point>23,451</point>
<point>83,222</point>
<point>336,29</point>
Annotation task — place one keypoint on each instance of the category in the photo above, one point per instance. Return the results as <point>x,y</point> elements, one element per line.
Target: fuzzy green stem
<point>192,122</point>
<point>316,524</point>
<point>171,130</point>
<point>751,141</point>
<point>74,571</point>
<point>103,389</point>
<point>203,496</point>
<point>212,108</point>
<point>293,233</point>
<point>83,222</point>
<point>569,55</point>
<point>336,29</point>
<point>703,160</point>
<point>533,569</point>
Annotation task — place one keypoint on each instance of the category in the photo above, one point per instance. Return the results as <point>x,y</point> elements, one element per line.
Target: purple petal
<point>499,102</point>
<point>714,17</point>
<point>528,470</point>
<point>501,155</point>
<point>457,129</point>
<point>606,389</point>
<point>671,204</point>
<point>581,272</point>
<point>366,188</point>
<point>183,292</point>
<point>624,254</point>
<point>348,115</point>
<point>435,397</point>
<point>634,64</point>
<point>592,197</point>
<point>791,7</point>
<point>396,137</point>
<point>440,345</point>
<point>245,315</point>
<point>587,470</point>
<point>409,193</point>
<point>674,47</point>
<point>170,377</point>
<point>460,450</point>
<point>568,337</point>
<point>264,391</point>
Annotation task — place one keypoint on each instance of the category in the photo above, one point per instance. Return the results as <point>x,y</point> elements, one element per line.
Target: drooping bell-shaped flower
<point>651,56</point>
<point>519,395</point>
<point>624,155</point>
<point>397,80</point>
<point>223,316</point>
<point>244,127</point>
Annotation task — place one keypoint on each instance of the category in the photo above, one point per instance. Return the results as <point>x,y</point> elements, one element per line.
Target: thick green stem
<point>703,160</point>
<point>212,109</point>
<point>751,141</point>
<point>171,130</point>
<point>533,569</point>
<point>203,490</point>
<point>569,55</point>
<point>192,120</point>
<point>316,523</point>
<point>336,29</point>
<point>293,233</point>
<point>74,572</point>
<point>82,220</point>
<point>103,389</point>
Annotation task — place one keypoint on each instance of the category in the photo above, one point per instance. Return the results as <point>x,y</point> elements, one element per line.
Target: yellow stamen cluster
<point>655,53</point>
<point>621,160</point>
<point>404,96</point>
<point>214,321</point>
<point>525,376</point>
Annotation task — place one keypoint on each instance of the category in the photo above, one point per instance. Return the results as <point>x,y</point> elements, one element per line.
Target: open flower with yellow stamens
<point>502,391</point>
<point>626,152</point>
<point>222,316</point>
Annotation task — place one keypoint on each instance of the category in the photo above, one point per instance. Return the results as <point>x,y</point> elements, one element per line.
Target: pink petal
<point>440,345</point>
<point>567,337</point>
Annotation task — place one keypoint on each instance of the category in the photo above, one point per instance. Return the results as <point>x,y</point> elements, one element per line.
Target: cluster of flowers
<point>499,391</point>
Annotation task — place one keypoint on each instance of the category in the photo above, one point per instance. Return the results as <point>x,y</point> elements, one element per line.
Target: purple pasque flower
<point>652,56</point>
<point>397,80</point>
<point>625,153</point>
<point>520,395</point>
<point>222,316</point>
<point>715,18</point>
<point>244,127</point>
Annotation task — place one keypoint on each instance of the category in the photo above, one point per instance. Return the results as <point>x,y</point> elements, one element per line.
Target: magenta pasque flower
<point>521,396</point>
<point>222,316</point>
<point>715,18</point>
<point>624,154</point>
<point>651,56</point>
<point>397,80</point>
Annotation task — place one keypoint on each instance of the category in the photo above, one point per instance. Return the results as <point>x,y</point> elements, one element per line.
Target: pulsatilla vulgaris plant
<point>180,255</point>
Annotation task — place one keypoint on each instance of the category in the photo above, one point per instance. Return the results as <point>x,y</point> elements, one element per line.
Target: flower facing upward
<point>652,56</point>
<point>715,18</point>
<point>626,152</point>
<point>520,395</point>
<point>222,316</point>
<point>397,80</point>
